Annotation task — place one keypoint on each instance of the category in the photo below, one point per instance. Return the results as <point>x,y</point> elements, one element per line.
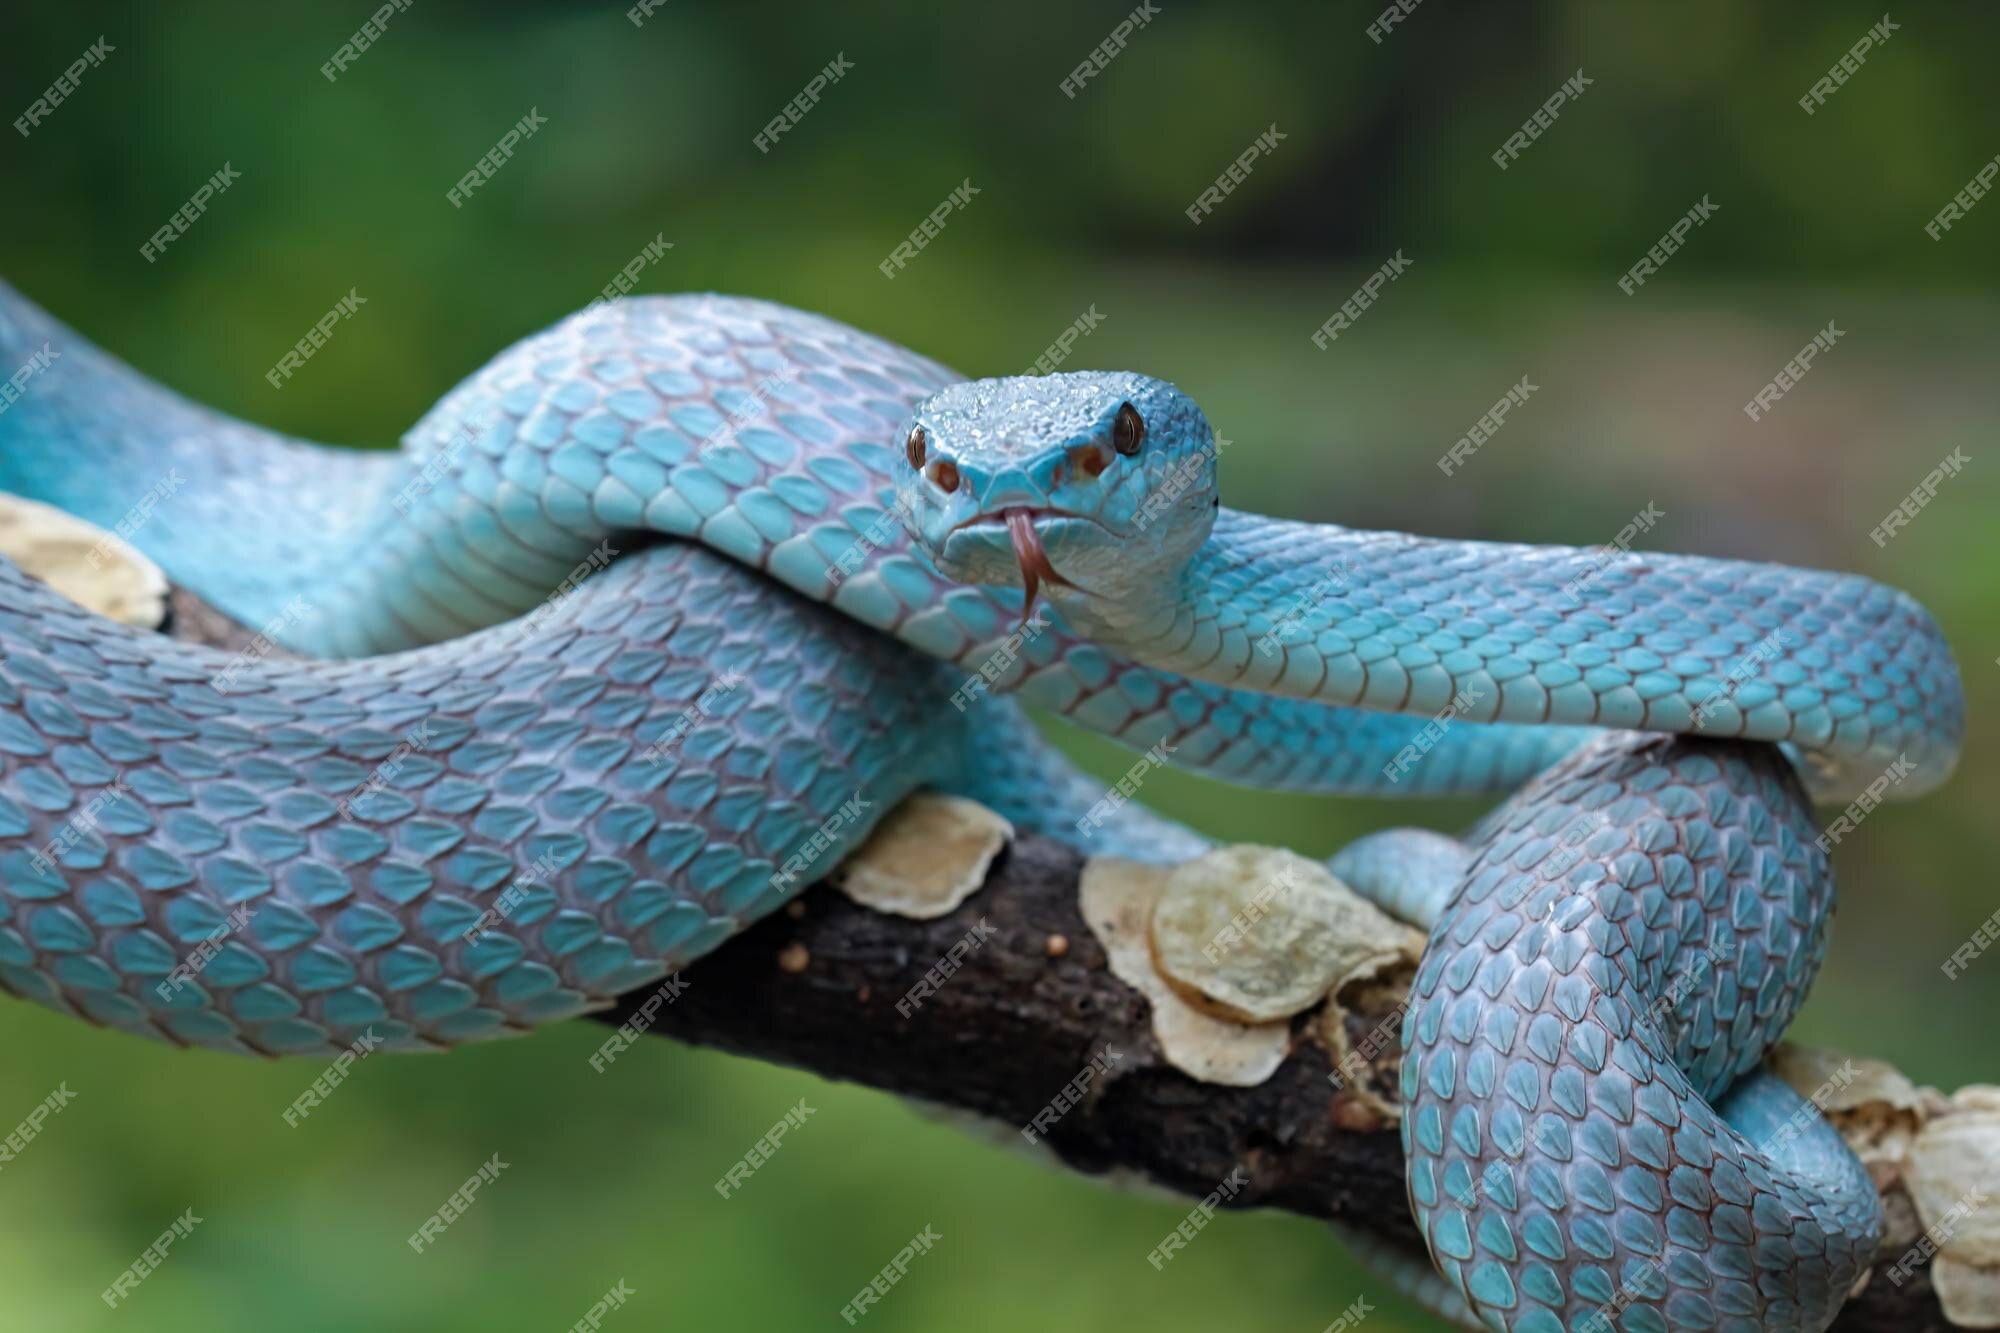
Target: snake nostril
<point>1090,460</point>
<point>944,472</point>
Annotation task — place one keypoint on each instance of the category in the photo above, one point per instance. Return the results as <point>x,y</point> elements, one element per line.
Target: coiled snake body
<point>522,807</point>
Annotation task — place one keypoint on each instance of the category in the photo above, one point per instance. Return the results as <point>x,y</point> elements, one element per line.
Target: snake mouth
<point>1023,534</point>
<point>1034,558</point>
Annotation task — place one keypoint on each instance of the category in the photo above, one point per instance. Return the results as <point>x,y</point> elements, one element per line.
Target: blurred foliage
<point>1080,205</point>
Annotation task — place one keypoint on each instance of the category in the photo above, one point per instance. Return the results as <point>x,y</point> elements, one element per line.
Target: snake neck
<point>1606,637</point>
<point>1256,586</point>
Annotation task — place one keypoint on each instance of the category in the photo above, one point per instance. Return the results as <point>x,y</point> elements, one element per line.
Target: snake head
<point>1098,485</point>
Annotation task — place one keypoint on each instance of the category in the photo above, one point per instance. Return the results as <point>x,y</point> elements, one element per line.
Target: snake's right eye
<point>915,447</point>
<point>1128,430</point>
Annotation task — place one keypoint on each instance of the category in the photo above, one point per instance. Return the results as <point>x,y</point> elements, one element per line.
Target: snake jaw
<point>1033,557</point>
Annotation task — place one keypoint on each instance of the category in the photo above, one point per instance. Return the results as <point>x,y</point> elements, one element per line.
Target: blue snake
<point>655,615</point>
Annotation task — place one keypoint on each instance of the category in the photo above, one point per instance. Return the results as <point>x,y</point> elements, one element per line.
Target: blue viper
<point>510,807</point>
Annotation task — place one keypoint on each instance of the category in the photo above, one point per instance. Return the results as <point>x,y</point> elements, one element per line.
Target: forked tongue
<point>1034,560</point>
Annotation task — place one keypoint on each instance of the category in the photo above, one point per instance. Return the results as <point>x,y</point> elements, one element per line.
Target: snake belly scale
<point>502,810</point>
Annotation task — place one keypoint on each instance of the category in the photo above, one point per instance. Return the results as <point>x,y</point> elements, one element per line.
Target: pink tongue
<point>1034,560</point>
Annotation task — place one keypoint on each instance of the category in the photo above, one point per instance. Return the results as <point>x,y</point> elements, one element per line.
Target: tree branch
<point>816,987</point>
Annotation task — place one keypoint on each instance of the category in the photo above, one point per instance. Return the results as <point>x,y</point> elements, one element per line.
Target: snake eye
<point>915,447</point>
<point>945,473</point>
<point>1128,432</point>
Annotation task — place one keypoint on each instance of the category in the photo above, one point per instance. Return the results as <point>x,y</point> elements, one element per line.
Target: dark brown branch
<point>816,987</point>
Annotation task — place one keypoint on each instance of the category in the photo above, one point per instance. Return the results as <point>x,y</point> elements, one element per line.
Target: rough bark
<point>816,987</point>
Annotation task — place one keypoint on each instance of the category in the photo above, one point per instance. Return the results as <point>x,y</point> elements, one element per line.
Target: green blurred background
<point>649,133</point>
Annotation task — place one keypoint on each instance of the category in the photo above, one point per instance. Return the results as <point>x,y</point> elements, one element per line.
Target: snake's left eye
<point>915,447</point>
<point>1128,431</point>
